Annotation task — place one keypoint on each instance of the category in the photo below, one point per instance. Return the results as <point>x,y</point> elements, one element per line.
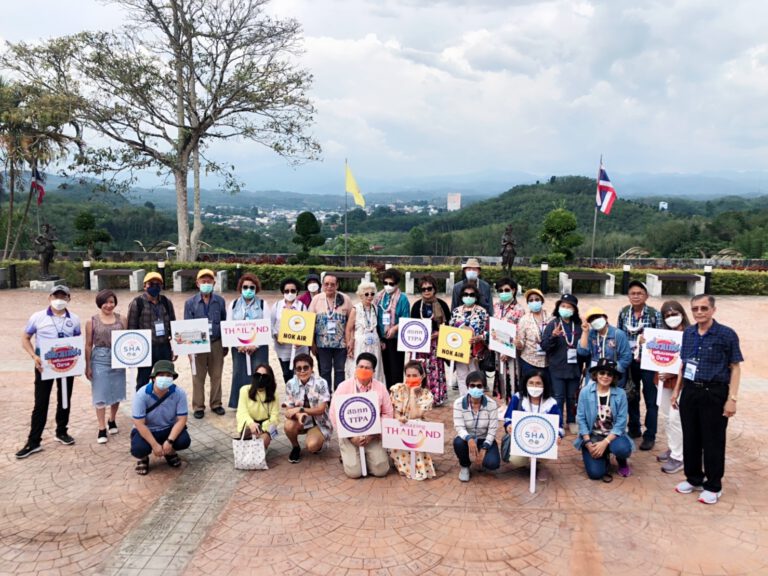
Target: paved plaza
<point>82,509</point>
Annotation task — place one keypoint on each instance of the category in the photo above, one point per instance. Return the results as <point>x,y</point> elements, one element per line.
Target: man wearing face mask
<point>53,322</point>
<point>152,311</point>
<point>206,304</point>
<point>601,340</point>
<point>633,320</point>
<point>471,269</point>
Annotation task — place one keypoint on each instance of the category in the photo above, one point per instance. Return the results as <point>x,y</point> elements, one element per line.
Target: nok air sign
<point>296,328</point>
<point>454,343</point>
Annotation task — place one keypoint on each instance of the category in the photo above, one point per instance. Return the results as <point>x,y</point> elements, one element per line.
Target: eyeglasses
<point>389,283</point>
<point>303,368</point>
<point>369,294</point>
<point>249,287</point>
<point>427,288</point>
<point>289,291</point>
<point>700,308</point>
<point>475,385</point>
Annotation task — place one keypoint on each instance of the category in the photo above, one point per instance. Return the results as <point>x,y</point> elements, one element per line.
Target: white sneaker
<point>102,438</point>
<point>574,428</point>
<point>708,497</point>
<point>464,474</point>
<point>686,487</point>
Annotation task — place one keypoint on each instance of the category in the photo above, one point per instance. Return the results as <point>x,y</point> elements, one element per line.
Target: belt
<point>711,384</point>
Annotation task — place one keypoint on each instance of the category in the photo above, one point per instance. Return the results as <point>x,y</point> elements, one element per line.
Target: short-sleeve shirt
<point>215,311</point>
<point>714,352</point>
<point>46,325</point>
<point>309,395</point>
<point>164,416</point>
<point>331,321</point>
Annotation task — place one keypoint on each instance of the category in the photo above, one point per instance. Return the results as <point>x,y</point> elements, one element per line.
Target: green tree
<point>559,232</point>
<point>307,234</point>
<point>416,243</point>
<point>89,235</point>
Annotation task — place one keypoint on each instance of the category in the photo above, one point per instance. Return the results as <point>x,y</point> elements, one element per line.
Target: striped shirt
<point>482,424</point>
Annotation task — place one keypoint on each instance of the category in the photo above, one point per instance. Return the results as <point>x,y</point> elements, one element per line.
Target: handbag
<point>249,454</point>
<point>486,359</point>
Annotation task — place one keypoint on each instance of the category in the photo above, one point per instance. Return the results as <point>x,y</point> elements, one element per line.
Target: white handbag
<point>249,454</point>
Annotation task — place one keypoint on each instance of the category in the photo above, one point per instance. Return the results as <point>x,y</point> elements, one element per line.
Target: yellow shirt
<point>250,411</point>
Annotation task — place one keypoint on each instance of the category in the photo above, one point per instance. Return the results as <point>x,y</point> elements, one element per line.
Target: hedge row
<point>723,282</point>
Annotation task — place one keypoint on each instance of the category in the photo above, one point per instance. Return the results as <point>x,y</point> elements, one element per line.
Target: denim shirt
<point>586,413</point>
<point>616,348</point>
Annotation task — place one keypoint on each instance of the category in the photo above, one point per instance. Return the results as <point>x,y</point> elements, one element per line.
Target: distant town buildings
<point>454,202</point>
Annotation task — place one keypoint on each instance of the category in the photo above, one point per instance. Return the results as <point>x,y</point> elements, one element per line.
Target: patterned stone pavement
<point>82,510</point>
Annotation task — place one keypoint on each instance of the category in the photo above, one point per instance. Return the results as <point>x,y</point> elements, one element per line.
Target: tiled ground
<point>81,509</point>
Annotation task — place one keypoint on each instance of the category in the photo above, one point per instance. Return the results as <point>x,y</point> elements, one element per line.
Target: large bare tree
<point>178,75</point>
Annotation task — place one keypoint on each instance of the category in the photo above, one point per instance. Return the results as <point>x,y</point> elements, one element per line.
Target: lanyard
<point>368,316</point>
<point>206,307</point>
<point>602,413</point>
<point>601,347</point>
<point>157,309</point>
<point>59,329</point>
<point>568,342</point>
<point>331,309</point>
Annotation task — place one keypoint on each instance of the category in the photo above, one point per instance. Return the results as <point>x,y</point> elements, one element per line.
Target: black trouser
<point>40,411</point>
<point>393,361</point>
<point>643,380</point>
<point>159,352</point>
<point>701,415</point>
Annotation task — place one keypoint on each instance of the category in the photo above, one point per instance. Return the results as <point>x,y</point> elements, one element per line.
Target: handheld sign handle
<point>363,465</point>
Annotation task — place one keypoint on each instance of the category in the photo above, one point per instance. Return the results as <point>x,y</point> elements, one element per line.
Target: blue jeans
<point>643,378</point>
<point>331,362</point>
<point>621,447</point>
<point>492,459</point>
<point>140,448</point>
<point>565,391</point>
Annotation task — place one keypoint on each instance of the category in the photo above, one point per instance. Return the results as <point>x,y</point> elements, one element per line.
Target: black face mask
<point>260,380</point>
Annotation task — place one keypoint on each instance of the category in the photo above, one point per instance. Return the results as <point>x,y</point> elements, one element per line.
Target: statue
<point>508,250</point>
<point>45,249</point>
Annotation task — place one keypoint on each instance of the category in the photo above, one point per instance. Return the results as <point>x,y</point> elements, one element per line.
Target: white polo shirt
<point>46,325</point>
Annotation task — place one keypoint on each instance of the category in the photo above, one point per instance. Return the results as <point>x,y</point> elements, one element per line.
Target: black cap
<point>605,364</point>
<point>569,299</point>
<point>639,284</point>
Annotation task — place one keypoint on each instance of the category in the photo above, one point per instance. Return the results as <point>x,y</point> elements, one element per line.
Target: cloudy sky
<point>415,89</point>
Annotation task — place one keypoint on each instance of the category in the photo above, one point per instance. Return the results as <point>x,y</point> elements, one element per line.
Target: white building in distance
<point>454,202</point>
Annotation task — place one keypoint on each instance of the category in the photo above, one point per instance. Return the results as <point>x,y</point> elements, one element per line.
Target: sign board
<point>190,336</point>
<point>534,435</point>
<point>357,414</point>
<point>502,337</point>
<point>416,435</point>
<point>131,348</point>
<point>296,328</point>
<point>237,333</point>
<point>454,343</point>
<point>62,357</point>
<point>661,350</point>
<point>414,335</point>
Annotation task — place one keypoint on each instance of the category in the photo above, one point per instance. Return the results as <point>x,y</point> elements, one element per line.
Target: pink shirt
<point>350,387</point>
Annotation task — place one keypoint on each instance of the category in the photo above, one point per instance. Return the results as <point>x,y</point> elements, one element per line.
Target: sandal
<point>607,478</point>
<point>173,460</point>
<point>142,466</point>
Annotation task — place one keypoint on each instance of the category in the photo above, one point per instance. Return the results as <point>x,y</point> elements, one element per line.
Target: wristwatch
<point>170,440</point>
<point>301,410</point>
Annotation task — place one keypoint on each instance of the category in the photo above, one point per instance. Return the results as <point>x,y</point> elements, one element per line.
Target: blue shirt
<point>714,351</point>
<point>47,326</point>
<point>546,406</point>
<point>215,311</point>
<point>165,415</point>
<point>613,346</point>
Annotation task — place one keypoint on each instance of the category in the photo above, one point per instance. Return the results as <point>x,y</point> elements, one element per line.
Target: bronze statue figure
<point>508,249</point>
<point>45,249</point>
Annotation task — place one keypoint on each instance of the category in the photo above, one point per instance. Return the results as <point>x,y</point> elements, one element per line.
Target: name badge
<point>369,340</point>
<point>210,328</point>
<point>539,351</point>
<point>690,370</point>
<point>386,320</point>
<point>159,329</point>
<point>593,363</point>
<point>572,356</point>
<point>331,327</point>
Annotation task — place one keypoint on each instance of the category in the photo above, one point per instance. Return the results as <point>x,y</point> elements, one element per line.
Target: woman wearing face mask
<point>247,307</point>
<point>107,383</point>
<point>601,340</point>
<point>429,306</point>
<point>471,316</point>
<point>530,329</point>
<point>362,335</point>
<point>285,352</point>
<point>535,395</point>
<point>258,409</point>
<point>312,286</point>
<point>675,318</point>
<point>509,310</point>
<point>560,341</point>
<point>602,416</point>
<point>410,400</point>
<point>159,419</point>
<point>391,305</point>
<point>476,420</point>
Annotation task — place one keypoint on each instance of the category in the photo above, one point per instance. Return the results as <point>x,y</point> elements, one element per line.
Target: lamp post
<point>708,279</point>
<point>161,269</point>
<point>544,284</point>
<point>87,274</point>
<point>625,278</point>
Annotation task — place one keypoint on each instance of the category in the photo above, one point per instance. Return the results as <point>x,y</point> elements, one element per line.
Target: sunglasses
<point>672,314</point>
<point>700,308</point>
<point>389,283</point>
<point>604,373</point>
<point>369,294</point>
<point>506,290</point>
<point>473,294</point>
<point>303,368</point>
<point>475,385</point>
<point>427,288</point>
<point>249,287</point>
<point>289,291</point>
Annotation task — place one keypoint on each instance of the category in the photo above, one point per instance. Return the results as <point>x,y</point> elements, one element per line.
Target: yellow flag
<point>351,187</point>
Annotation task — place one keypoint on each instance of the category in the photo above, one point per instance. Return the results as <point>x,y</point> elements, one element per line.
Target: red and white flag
<point>606,193</point>
<point>38,185</point>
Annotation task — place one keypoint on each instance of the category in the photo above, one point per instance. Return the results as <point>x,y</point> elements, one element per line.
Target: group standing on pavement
<point>575,366</point>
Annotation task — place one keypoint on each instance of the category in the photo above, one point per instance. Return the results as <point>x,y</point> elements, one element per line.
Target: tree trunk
<point>182,218</point>
<point>11,194</point>
<point>20,229</point>
<point>197,224</point>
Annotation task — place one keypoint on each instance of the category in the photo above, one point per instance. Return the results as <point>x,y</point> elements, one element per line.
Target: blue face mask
<point>472,274</point>
<point>154,291</point>
<point>469,300</point>
<point>248,293</point>
<point>476,393</point>
<point>206,288</point>
<point>565,313</point>
<point>534,306</point>
<point>163,382</point>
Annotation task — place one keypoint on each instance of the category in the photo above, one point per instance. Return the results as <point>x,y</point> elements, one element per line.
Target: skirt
<point>108,384</point>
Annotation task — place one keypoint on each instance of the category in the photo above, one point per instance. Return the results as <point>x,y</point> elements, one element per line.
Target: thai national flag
<point>38,185</point>
<point>606,193</point>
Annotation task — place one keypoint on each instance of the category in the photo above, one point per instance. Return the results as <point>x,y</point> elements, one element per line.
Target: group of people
<point>581,369</point>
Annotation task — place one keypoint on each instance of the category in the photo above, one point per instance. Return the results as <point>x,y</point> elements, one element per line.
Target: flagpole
<point>345,214</point>
<point>594,222</point>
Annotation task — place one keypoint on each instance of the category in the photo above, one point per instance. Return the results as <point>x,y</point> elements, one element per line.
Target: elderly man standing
<point>708,388</point>
<point>206,304</point>
<point>471,269</point>
<point>330,345</point>
<point>152,311</point>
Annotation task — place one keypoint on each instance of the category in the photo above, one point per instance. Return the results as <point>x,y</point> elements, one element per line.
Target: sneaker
<point>219,410</point>
<point>199,414</point>
<point>28,450</point>
<point>295,455</point>
<point>664,456</point>
<point>464,474</point>
<point>708,497</point>
<point>102,438</point>
<point>686,487</point>
<point>647,444</point>
<point>112,425</point>
<point>625,471</point>
<point>672,466</point>
<point>65,439</point>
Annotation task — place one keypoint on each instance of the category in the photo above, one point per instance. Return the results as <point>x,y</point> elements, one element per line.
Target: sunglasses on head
<point>302,368</point>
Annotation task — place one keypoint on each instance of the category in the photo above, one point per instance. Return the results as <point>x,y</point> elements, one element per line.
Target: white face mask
<point>535,391</point>
<point>58,304</point>
<point>163,382</point>
<point>472,274</point>
<point>389,289</point>
<point>290,296</point>
<point>313,287</point>
<point>598,323</point>
<point>673,321</point>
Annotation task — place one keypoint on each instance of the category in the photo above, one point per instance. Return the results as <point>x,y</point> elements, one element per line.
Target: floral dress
<point>403,404</point>
<point>434,365</point>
